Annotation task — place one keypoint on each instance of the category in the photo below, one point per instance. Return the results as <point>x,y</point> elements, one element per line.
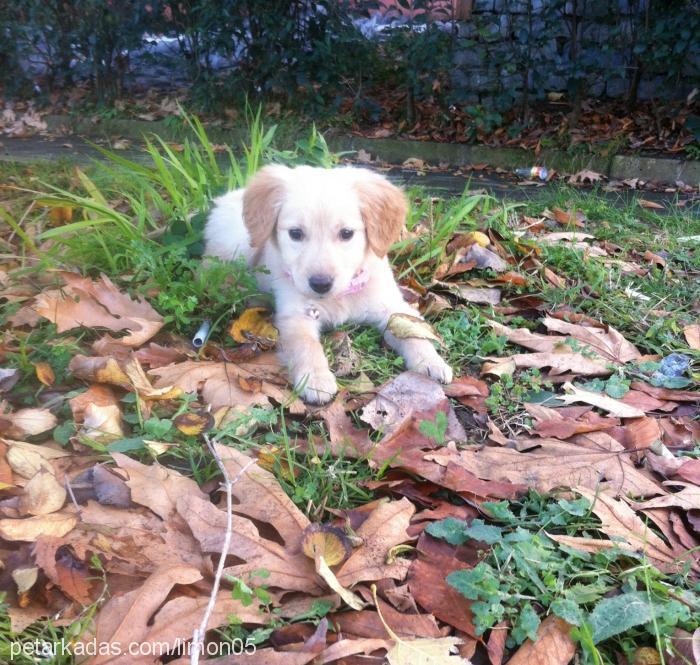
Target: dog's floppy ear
<point>262,201</point>
<point>383,207</point>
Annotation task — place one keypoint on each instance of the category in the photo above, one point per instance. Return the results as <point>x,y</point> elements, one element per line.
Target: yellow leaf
<point>193,424</point>
<point>254,326</point>
<point>479,238</point>
<point>404,326</point>
<point>44,373</point>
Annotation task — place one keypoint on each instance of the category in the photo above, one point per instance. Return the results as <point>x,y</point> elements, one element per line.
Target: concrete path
<point>76,149</point>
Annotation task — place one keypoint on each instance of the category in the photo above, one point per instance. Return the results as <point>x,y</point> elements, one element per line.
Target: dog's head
<point>323,222</point>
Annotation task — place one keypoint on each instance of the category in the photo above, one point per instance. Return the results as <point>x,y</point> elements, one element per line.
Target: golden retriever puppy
<point>323,234</point>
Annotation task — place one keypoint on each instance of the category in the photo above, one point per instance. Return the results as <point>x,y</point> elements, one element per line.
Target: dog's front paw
<point>428,361</point>
<point>318,387</point>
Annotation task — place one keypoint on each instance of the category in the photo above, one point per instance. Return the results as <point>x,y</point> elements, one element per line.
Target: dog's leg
<point>302,353</point>
<point>419,354</point>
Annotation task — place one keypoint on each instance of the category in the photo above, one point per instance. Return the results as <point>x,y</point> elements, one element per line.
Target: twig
<point>198,636</point>
<point>69,489</point>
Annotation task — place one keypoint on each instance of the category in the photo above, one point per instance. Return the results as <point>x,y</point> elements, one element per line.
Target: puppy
<point>324,236</point>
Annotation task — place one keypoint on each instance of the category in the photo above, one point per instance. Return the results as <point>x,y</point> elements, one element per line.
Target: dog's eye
<point>346,234</point>
<point>296,234</point>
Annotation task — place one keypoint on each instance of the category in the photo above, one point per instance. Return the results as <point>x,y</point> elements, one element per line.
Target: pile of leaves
<point>546,503</point>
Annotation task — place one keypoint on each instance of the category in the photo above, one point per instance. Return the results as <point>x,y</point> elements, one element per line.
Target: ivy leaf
<point>526,626</point>
<point>616,386</point>
<point>456,532</point>
<point>567,610</point>
<point>612,616</point>
<point>479,530</point>
<point>474,583</point>
<point>499,510</point>
<point>577,508</point>
<point>451,529</point>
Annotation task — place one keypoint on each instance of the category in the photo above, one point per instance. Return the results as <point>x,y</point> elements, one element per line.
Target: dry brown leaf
<point>31,528</point>
<point>288,569</point>
<point>102,423</point>
<point>155,487</point>
<point>553,463</point>
<point>380,532</point>
<point>26,422</point>
<point>397,400</point>
<point>45,373</point>
<point>650,205</point>
<point>585,177</point>
<point>688,498</point>
<point>551,422</point>
<point>43,494</point>
<point>8,378</point>
<point>622,524</point>
<point>613,406</point>
<point>142,385</point>
<point>219,381</point>
<point>261,497</point>
<point>344,437</point>
<point>83,302</point>
<point>554,645</point>
<point>96,394</point>
<point>99,369</point>
<point>559,362</point>
<point>608,343</point>
<point>692,336</point>
<point>124,619</point>
<point>27,459</point>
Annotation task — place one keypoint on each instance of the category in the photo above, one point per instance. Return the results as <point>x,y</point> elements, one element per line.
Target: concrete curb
<point>665,170</point>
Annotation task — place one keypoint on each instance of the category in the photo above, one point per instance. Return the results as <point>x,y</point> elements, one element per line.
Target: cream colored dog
<point>323,235</point>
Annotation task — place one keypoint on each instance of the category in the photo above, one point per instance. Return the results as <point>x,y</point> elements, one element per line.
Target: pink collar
<point>357,283</point>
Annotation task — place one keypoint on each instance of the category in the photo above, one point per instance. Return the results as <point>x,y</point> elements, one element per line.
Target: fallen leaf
<point>620,523</point>
<point>30,528</point>
<point>102,423</point>
<point>613,406</point>
<point>98,304</point>
<point>585,177</point>
<point>398,399</point>
<point>96,394</point>
<point>405,326</point>
<point>380,532</point>
<point>554,645</point>
<point>142,385</point>
<point>692,336</point>
<point>156,487</point>
<point>219,381</point>
<point>650,205</point>
<point>485,258</point>
<point>558,362</point>
<point>687,499</point>
<point>44,373</point>
<point>99,370</point>
<point>26,422</point>
<point>43,494</point>
<point>608,343</point>
<point>8,378</point>
<point>254,325</point>
<point>194,424</point>
<point>552,463</point>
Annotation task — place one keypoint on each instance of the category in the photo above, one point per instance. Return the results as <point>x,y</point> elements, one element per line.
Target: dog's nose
<point>321,283</point>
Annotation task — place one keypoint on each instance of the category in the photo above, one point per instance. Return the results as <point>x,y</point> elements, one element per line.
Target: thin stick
<point>69,489</point>
<point>199,633</point>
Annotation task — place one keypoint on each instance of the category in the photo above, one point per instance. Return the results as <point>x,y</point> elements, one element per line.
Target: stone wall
<point>489,65</point>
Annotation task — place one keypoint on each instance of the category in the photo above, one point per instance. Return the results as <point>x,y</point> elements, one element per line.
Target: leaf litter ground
<point>545,504</point>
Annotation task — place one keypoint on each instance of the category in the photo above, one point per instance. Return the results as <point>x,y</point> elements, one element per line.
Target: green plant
<point>523,571</point>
